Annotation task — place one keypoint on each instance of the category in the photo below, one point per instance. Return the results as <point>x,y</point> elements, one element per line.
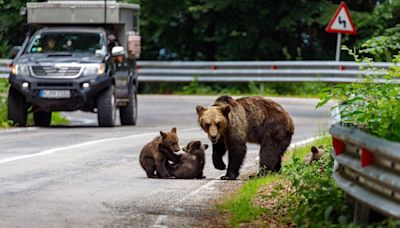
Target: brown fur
<point>230,123</point>
<point>192,161</point>
<point>315,154</point>
<point>152,160</point>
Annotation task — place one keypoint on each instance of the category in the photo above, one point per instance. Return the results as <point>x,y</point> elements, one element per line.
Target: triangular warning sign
<point>341,22</point>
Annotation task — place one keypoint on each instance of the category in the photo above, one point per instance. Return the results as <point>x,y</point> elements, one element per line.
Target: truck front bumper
<point>80,97</point>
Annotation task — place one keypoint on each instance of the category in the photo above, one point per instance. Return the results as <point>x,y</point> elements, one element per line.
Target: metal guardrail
<point>245,71</point>
<point>4,68</point>
<point>368,170</point>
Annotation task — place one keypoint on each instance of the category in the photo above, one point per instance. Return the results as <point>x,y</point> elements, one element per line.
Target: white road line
<point>204,186</point>
<point>303,142</point>
<point>159,222</point>
<point>55,150</point>
<point>210,183</point>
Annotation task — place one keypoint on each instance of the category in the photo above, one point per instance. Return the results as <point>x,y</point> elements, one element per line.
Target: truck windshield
<point>70,42</point>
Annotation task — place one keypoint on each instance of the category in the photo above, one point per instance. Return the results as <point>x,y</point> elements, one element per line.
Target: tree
<point>241,30</point>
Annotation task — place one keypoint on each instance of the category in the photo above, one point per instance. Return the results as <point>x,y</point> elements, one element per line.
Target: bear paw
<point>228,177</point>
<point>220,166</point>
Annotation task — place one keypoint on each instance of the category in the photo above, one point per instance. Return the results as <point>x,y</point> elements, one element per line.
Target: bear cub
<point>315,154</point>
<point>191,163</point>
<point>155,162</point>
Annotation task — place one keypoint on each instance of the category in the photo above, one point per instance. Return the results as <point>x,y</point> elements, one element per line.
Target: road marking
<point>204,186</point>
<point>159,222</point>
<point>303,142</point>
<point>55,150</point>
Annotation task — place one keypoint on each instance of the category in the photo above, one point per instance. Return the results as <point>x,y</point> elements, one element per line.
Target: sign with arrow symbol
<point>341,23</point>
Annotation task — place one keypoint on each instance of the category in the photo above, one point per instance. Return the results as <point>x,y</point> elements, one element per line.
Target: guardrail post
<point>361,213</point>
<point>261,88</point>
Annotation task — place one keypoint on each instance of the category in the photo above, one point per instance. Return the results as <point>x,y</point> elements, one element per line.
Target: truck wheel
<point>17,108</point>
<point>106,108</point>
<point>42,119</point>
<point>128,114</point>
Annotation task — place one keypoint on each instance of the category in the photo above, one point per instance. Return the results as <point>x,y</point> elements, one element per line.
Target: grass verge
<point>296,89</point>
<point>240,206</point>
<point>301,195</point>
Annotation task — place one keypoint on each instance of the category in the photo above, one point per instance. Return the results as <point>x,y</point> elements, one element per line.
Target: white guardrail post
<point>368,170</point>
<point>245,71</point>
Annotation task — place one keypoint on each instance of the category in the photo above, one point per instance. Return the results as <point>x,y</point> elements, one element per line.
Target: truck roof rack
<point>120,18</point>
<point>101,12</point>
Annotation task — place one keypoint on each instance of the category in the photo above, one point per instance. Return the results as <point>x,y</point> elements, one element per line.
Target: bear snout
<point>213,139</point>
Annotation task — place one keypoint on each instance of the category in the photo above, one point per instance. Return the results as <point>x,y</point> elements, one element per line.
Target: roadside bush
<point>3,103</point>
<point>307,194</point>
<point>316,200</point>
<point>373,105</point>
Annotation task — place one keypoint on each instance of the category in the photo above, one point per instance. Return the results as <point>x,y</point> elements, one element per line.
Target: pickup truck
<point>73,66</point>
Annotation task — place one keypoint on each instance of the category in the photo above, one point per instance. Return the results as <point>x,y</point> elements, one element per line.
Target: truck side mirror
<point>118,51</point>
<point>14,51</point>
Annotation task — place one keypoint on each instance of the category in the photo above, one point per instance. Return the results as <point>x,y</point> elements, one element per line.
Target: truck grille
<point>53,71</point>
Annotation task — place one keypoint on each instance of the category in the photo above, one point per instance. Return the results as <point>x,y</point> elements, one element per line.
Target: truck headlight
<point>94,69</point>
<point>20,69</point>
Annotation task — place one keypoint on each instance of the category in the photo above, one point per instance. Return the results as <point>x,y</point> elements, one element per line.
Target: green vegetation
<point>371,105</point>
<point>230,30</point>
<point>302,194</point>
<point>304,89</point>
<point>56,119</point>
<point>241,207</point>
<point>314,199</point>
<point>3,103</point>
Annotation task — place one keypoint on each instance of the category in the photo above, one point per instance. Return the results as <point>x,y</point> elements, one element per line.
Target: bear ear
<point>200,109</point>
<point>314,149</point>
<point>196,145</point>
<point>205,146</point>
<point>225,110</point>
<point>173,130</point>
<point>163,134</point>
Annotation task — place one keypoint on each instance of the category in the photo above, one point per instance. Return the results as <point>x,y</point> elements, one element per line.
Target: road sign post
<point>341,22</point>
<point>338,42</point>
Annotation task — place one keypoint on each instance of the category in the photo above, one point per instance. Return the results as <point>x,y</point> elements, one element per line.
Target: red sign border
<point>329,29</point>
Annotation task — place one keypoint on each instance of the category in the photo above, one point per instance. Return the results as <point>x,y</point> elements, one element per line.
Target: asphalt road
<point>84,176</point>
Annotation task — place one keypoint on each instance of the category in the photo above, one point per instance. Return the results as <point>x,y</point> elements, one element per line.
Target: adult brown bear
<point>230,123</point>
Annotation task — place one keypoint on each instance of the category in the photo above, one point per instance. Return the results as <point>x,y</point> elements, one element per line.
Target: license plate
<point>55,93</point>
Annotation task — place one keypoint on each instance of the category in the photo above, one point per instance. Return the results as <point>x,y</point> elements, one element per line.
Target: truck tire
<point>106,107</point>
<point>17,108</point>
<point>128,113</point>
<point>42,119</point>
